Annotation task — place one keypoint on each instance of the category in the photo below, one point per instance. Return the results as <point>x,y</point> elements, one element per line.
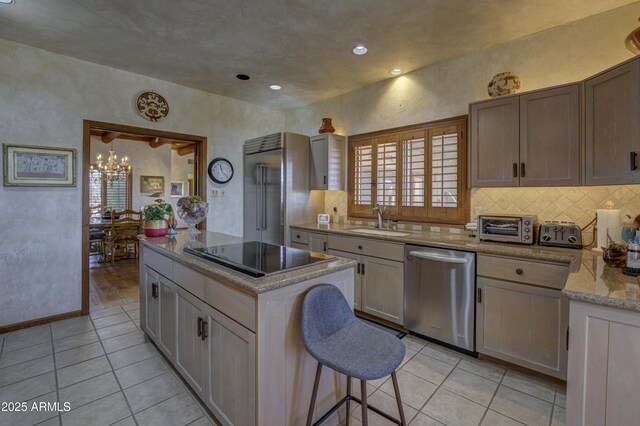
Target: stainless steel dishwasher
<point>439,298</point>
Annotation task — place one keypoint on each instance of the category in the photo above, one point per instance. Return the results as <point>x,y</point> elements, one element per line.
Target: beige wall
<point>43,99</point>
<point>559,55</point>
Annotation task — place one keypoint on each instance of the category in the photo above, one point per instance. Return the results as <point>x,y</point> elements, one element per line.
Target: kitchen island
<point>235,339</point>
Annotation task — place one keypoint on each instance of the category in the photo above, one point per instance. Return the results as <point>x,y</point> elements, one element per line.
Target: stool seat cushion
<point>336,338</point>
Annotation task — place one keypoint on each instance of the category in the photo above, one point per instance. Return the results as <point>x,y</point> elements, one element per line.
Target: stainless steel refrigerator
<point>276,187</point>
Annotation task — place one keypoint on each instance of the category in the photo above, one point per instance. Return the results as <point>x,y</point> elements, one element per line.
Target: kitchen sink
<point>386,232</point>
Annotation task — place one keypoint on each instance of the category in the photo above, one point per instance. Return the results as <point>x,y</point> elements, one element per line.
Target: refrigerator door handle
<point>264,197</point>
<point>258,198</point>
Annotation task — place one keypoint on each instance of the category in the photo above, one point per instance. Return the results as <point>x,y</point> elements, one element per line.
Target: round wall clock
<point>220,170</point>
<point>152,106</point>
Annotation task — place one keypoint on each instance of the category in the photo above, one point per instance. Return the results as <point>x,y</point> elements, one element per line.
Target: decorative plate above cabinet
<point>326,169</point>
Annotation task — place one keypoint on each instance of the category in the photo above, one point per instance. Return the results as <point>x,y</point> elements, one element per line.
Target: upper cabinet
<point>494,142</point>
<point>327,162</point>
<point>531,139</point>
<point>612,119</point>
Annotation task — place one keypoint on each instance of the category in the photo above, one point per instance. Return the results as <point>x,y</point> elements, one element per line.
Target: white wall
<point>559,55</point>
<point>44,98</point>
<point>180,172</point>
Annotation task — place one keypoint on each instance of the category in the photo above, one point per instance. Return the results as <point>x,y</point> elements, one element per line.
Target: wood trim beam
<point>109,137</point>
<point>185,150</point>
<point>158,142</point>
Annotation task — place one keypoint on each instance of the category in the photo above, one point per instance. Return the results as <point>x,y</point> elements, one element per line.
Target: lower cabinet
<point>231,370</point>
<point>378,286</point>
<point>159,312</point>
<point>522,324</point>
<point>212,352</point>
<point>603,382</point>
<point>317,242</point>
<point>190,338</point>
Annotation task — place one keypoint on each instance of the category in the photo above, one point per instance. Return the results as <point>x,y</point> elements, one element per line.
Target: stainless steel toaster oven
<point>508,229</point>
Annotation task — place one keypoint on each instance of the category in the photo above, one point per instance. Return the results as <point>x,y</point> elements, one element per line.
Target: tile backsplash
<point>570,204</point>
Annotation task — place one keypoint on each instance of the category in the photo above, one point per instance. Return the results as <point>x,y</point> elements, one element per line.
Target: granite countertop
<point>590,280</point>
<point>172,247</point>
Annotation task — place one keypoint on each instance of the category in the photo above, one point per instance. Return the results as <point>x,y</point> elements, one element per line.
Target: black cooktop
<point>258,259</point>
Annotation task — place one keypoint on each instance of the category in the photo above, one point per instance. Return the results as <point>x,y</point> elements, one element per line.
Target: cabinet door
<point>522,324</point>
<point>317,242</point>
<point>383,288</point>
<point>494,143</point>
<point>231,370</point>
<point>190,346</point>
<point>151,303</point>
<point>167,308</point>
<point>357,280</point>
<point>318,173</point>
<point>612,129</point>
<point>550,137</point>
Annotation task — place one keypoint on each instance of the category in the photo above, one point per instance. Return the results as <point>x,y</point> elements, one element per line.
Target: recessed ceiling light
<point>395,71</point>
<point>360,50</point>
<point>7,1</point>
<point>275,87</point>
<point>239,76</point>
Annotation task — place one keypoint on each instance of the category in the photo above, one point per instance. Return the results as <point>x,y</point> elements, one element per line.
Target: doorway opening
<point>163,164</point>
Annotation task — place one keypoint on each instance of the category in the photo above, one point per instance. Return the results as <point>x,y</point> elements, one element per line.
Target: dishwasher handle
<point>437,257</point>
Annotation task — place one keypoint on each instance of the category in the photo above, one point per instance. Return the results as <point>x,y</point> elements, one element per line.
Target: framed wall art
<point>177,189</point>
<point>151,184</point>
<point>26,165</point>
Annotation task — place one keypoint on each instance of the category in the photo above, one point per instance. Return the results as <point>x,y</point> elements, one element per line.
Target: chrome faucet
<point>380,211</point>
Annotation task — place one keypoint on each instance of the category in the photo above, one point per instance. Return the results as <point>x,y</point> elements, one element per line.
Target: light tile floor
<point>101,365</point>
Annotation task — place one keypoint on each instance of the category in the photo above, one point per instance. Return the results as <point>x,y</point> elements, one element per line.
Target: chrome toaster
<point>560,234</point>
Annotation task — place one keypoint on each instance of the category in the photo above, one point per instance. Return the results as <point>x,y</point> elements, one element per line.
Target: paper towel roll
<point>609,222</point>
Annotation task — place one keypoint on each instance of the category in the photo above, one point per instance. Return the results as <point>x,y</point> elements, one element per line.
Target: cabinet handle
<point>298,236</point>
<point>632,161</point>
<point>205,331</point>
<point>359,247</point>
<point>324,245</point>
<point>154,290</point>
<point>200,327</point>
<point>521,169</point>
<point>363,269</point>
<point>358,269</point>
<point>479,295</point>
<point>515,169</point>
<point>325,180</point>
<point>567,337</point>
<point>519,271</point>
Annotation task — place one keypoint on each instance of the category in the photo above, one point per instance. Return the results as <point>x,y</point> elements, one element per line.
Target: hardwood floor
<point>113,284</point>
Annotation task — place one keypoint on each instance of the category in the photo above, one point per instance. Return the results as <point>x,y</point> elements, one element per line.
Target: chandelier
<point>112,170</point>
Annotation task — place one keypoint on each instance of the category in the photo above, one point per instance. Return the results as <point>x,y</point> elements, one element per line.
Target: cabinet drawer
<point>552,275</point>
<point>189,279</point>
<point>367,247</point>
<point>299,236</point>
<point>158,262</point>
<point>237,305</point>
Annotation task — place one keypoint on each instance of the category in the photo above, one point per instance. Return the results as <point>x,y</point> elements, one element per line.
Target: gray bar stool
<point>337,339</point>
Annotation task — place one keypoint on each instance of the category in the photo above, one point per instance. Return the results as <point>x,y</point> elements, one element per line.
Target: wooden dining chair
<point>96,234</point>
<point>122,236</point>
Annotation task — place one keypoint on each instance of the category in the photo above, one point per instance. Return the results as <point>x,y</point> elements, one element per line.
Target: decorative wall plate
<point>504,83</point>
<point>152,106</point>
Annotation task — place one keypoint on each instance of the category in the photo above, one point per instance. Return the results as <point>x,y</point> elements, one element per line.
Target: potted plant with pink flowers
<point>156,217</point>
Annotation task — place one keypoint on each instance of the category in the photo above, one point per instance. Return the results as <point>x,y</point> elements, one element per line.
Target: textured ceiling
<point>303,45</point>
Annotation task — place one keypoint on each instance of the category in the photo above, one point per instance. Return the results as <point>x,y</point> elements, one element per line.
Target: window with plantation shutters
<point>113,194</point>
<point>418,173</point>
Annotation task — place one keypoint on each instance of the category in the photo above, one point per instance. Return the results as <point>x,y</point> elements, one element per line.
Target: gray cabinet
<point>612,125</point>
<point>494,142</point>
<point>190,340</point>
<point>520,323</point>
<point>231,368</point>
<point>159,310</point>
<point>327,162</point>
<point>531,139</point>
<point>379,276</point>
<point>317,242</point>
<point>550,137</point>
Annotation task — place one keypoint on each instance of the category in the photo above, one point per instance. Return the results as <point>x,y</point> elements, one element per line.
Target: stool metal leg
<point>396,389</point>
<point>348,399</point>
<point>316,383</point>
<point>363,397</point>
